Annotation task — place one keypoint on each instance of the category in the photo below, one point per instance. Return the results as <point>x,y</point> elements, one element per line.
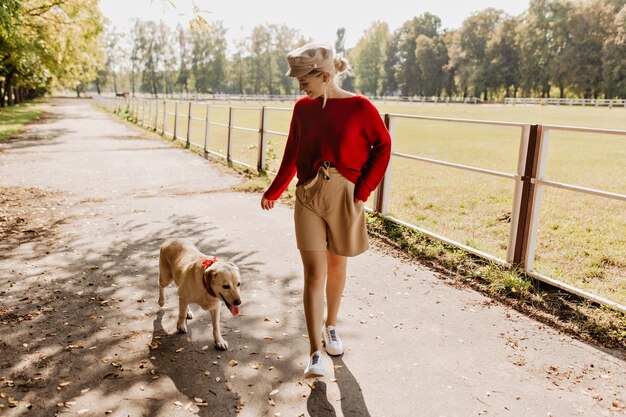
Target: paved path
<point>78,304</point>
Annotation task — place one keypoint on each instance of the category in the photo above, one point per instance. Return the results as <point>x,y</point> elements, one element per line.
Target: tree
<point>503,54</point>
<point>614,58</point>
<point>284,41</point>
<point>472,58</point>
<point>560,38</point>
<point>260,45</point>
<point>406,70</point>
<point>208,59</point>
<point>45,44</point>
<point>587,26</point>
<point>184,55</point>
<point>430,57</point>
<point>390,83</point>
<point>369,58</point>
<point>536,50</point>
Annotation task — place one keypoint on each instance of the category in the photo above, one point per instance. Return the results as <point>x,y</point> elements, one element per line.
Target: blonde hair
<point>342,65</point>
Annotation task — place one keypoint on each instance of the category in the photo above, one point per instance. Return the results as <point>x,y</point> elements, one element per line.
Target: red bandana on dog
<point>209,261</point>
<point>206,264</point>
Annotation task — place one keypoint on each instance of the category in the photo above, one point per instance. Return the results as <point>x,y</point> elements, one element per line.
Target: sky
<point>318,20</point>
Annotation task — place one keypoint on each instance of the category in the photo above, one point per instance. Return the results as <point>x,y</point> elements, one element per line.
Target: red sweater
<point>348,132</point>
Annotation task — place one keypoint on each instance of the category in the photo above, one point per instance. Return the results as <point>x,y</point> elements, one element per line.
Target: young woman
<point>339,147</point>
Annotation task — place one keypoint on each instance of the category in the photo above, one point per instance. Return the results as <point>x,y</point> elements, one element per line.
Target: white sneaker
<point>315,366</point>
<point>332,341</point>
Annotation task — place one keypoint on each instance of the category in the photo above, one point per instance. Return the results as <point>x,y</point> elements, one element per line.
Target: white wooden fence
<point>588,102</point>
<point>529,178</point>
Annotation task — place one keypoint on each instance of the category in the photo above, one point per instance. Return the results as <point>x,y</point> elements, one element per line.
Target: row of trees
<point>562,47</point>
<point>155,59</point>
<point>575,48</point>
<point>46,44</point>
<point>556,47</point>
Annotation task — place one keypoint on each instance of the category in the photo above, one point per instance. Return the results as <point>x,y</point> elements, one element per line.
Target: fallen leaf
<point>180,349</point>
<point>64,384</point>
<point>232,362</point>
<point>198,399</point>
<point>274,392</point>
<point>82,411</point>
<point>178,403</point>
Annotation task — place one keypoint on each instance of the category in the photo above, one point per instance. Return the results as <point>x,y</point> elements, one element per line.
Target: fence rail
<point>591,102</point>
<point>529,178</point>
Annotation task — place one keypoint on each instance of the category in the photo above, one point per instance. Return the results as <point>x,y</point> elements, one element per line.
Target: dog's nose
<point>237,302</point>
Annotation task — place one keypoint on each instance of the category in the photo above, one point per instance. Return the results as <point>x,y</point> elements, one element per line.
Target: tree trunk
<point>2,94</point>
<point>18,97</point>
<point>9,90</point>
<point>561,91</point>
<point>98,86</point>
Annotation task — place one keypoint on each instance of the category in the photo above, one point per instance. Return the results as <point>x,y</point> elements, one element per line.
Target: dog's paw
<point>221,344</point>
<point>182,328</point>
<point>161,302</point>
<point>189,314</point>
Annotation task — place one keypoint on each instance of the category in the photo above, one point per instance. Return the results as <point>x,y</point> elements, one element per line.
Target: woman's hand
<point>267,204</point>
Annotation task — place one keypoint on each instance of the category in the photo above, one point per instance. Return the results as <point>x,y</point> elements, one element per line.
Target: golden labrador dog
<point>201,280</point>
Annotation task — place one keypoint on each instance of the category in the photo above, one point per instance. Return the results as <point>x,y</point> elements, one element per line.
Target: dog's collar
<point>206,264</point>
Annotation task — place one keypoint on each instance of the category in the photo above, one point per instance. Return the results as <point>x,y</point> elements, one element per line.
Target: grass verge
<point>564,311</point>
<point>14,118</point>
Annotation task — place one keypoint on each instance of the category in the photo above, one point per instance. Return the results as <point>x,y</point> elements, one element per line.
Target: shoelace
<point>333,335</point>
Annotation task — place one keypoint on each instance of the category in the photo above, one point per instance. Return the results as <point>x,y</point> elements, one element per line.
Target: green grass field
<point>581,238</point>
<point>13,119</point>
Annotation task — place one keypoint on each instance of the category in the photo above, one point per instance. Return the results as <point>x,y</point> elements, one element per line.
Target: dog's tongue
<point>234,310</point>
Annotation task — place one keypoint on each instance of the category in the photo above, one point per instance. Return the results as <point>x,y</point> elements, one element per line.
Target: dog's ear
<point>207,276</point>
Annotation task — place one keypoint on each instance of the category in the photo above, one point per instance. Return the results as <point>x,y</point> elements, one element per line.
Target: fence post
<point>164,115</point>
<point>383,190</point>
<point>206,128</point>
<point>146,119</point>
<point>143,111</point>
<point>189,125</point>
<point>518,209</point>
<point>156,114</point>
<point>262,143</point>
<point>175,119</point>
<point>537,193</point>
<point>531,198</point>
<point>231,124</point>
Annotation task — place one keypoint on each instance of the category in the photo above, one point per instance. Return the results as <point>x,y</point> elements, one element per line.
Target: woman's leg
<point>314,263</point>
<point>335,284</point>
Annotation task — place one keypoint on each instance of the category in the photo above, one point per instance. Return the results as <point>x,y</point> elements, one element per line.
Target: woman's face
<point>312,85</point>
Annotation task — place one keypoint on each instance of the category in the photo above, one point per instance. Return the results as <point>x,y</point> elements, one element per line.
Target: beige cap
<point>309,57</point>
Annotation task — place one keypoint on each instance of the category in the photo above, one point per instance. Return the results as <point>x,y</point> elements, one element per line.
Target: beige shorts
<point>326,216</point>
